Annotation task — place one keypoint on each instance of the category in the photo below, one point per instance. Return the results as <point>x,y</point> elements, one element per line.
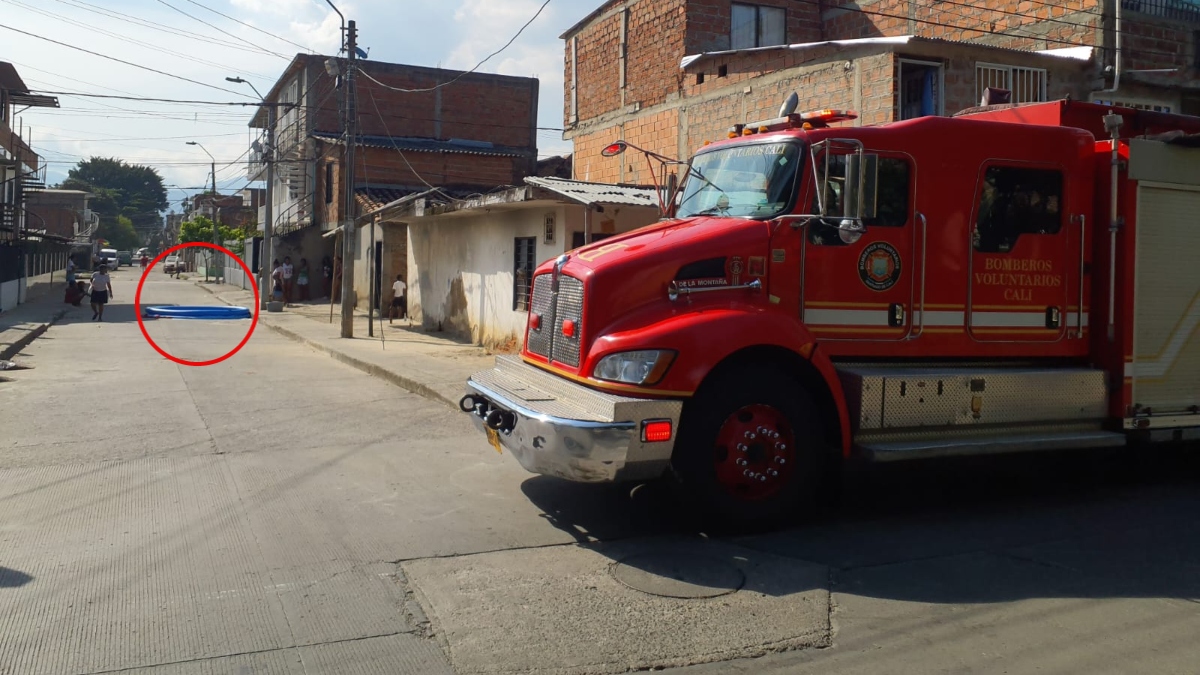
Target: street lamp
<point>264,259</point>
<point>212,202</point>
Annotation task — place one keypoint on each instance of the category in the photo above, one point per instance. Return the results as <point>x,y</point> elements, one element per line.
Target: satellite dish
<point>789,106</point>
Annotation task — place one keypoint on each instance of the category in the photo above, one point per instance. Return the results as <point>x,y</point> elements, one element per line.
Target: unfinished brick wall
<point>1019,24</point>
<point>709,22</point>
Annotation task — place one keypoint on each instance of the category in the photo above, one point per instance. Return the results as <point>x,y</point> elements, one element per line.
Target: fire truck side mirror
<point>862,174</point>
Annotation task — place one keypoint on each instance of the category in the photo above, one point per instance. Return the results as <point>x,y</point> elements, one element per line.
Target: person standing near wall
<point>326,276</point>
<point>288,278</point>
<point>302,280</point>
<point>399,304</point>
<point>71,270</point>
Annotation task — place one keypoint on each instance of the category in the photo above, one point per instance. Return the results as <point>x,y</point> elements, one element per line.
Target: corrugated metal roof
<point>457,146</point>
<point>596,193</point>
<point>1077,53</point>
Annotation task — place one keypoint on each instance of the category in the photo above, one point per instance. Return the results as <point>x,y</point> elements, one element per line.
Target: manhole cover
<point>679,574</point>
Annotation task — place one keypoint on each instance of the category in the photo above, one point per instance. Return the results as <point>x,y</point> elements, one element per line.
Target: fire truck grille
<point>565,348</point>
<point>540,339</point>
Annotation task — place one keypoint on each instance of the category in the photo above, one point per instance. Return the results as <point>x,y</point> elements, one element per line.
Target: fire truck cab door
<point>863,290</point>
<point>1024,253</point>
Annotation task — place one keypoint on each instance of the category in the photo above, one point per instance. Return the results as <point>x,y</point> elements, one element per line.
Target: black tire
<point>694,471</point>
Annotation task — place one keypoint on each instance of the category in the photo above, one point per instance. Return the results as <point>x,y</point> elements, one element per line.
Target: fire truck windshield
<point>755,180</point>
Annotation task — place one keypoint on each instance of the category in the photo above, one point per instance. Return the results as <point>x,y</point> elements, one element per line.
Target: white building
<point>470,262</point>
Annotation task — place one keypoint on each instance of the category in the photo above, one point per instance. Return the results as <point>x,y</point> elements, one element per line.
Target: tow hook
<point>500,420</point>
<point>470,404</point>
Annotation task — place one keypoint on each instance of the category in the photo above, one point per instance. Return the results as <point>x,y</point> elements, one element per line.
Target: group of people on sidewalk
<point>289,282</point>
<point>100,290</point>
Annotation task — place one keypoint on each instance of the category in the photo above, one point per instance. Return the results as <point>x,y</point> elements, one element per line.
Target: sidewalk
<point>428,364</point>
<point>42,307</point>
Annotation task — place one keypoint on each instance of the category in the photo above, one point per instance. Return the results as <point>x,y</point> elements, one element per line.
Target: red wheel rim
<point>755,452</point>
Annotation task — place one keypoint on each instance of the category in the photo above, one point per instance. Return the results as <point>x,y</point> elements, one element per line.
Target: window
<point>891,198</point>
<point>755,26</point>
<point>524,262</point>
<point>1028,85</point>
<point>1016,201</point>
<point>328,182</point>
<point>920,89</point>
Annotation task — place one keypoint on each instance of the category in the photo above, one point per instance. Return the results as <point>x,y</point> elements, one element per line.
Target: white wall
<point>10,292</point>
<point>460,268</point>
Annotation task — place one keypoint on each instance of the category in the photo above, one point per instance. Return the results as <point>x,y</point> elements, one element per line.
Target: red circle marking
<point>137,303</point>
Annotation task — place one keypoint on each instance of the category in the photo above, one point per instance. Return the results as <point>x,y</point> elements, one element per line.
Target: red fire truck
<point>1011,279</point>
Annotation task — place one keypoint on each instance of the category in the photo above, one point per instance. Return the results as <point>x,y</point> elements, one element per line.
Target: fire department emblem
<point>879,266</point>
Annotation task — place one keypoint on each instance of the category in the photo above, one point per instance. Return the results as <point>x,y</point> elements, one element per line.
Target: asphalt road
<point>281,513</point>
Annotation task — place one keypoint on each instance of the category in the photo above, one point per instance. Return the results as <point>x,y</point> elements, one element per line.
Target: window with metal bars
<point>524,262</point>
<point>1028,85</point>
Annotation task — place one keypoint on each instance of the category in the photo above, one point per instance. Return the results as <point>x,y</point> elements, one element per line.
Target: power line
<point>124,62</point>
<point>125,38</point>
<point>221,30</point>
<point>984,31</point>
<point>252,27</point>
<point>257,104</point>
<point>114,14</point>
<point>465,73</point>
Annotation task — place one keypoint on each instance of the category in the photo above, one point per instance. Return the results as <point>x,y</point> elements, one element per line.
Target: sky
<point>187,39</point>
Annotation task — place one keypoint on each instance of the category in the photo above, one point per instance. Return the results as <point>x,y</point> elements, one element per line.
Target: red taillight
<point>569,328</point>
<point>656,431</point>
<point>535,321</point>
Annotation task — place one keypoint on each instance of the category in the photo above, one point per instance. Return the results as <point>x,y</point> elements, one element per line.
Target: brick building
<point>669,75</point>
<point>463,132</point>
<point>62,213</point>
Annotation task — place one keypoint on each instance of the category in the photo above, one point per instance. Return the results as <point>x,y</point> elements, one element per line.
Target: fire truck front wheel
<point>749,450</point>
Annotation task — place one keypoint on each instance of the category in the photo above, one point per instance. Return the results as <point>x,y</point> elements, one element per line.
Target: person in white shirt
<point>287,270</point>
<point>101,292</point>
<point>398,300</point>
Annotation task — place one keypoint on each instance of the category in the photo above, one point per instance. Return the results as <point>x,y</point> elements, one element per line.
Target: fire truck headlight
<point>640,367</point>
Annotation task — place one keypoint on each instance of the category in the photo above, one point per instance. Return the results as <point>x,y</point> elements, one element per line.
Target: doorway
<point>920,89</point>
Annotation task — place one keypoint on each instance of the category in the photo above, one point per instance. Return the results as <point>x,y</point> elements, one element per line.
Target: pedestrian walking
<point>288,272</point>
<point>101,292</point>
<point>337,277</point>
<point>71,269</point>
<point>399,303</point>
<point>302,280</point>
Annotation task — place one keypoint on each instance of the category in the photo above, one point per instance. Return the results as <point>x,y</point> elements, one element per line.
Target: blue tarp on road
<point>197,312</point>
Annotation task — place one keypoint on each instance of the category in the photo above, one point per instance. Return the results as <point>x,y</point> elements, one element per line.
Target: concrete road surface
<point>281,513</point>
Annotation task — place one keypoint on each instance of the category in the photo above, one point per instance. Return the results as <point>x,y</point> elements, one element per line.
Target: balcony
<point>16,150</point>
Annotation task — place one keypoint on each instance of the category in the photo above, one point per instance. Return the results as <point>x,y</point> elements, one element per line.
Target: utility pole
<point>264,260</point>
<point>349,239</point>
<point>216,224</point>
<point>264,255</point>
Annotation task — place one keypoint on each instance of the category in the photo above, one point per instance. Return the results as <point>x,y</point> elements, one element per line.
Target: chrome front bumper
<point>556,427</point>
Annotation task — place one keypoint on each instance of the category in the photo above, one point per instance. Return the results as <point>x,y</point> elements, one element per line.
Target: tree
<point>201,229</point>
<point>119,233</point>
<point>130,190</point>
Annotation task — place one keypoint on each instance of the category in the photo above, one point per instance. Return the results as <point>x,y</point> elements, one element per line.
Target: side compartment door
<point>1021,255</point>
<point>863,290</point>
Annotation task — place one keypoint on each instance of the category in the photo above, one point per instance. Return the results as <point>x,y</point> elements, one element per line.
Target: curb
<point>16,347</point>
<point>396,379</point>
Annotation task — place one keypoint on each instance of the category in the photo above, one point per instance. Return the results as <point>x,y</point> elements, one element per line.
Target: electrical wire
<point>221,30</point>
<point>464,73</point>
<point>122,61</point>
<point>125,38</point>
<point>252,27</point>
<point>146,23</point>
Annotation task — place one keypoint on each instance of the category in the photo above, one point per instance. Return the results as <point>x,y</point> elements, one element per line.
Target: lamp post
<point>264,258</point>
<point>212,202</point>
